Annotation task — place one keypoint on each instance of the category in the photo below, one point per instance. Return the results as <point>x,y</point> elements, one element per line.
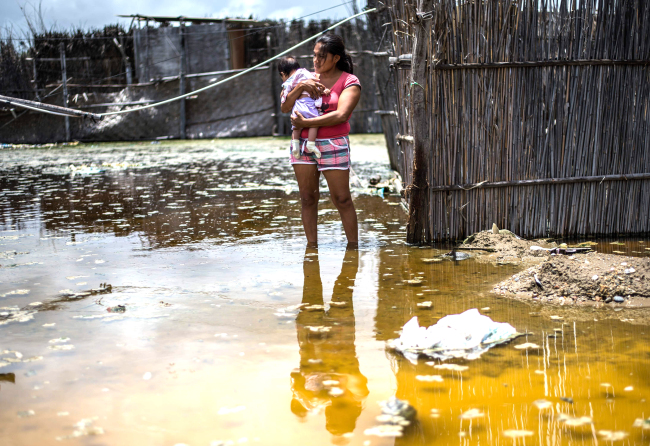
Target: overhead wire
<point>77,113</point>
<point>241,73</point>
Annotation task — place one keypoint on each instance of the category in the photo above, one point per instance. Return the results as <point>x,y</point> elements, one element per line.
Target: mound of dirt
<point>591,278</point>
<point>505,247</point>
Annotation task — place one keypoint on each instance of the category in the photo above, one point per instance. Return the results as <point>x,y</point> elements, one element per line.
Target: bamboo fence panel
<point>520,90</point>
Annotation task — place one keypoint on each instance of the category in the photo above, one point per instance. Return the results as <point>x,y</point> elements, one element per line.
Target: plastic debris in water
<point>429,378</point>
<point>26,413</point>
<point>571,421</point>
<point>64,347</point>
<point>396,407</point>
<point>527,346</point>
<point>435,413</point>
<point>452,367</point>
<point>466,335</point>
<point>517,433</point>
<point>395,415</point>
<point>427,304</point>
<point>613,435</point>
<point>643,424</point>
<point>116,309</point>
<point>414,282</point>
<point>318,329</point>
<point>542,404</point>
<point>385,430</point>
<point>431,260</point>
<point>472,414</point>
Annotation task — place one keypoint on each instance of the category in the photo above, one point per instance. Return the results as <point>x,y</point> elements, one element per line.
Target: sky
<point>63,14</point>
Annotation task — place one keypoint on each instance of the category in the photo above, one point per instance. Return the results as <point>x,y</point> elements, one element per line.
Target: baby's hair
<point>288,64</point>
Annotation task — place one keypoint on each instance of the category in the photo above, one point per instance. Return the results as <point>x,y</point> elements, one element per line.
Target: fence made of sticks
<point>531,114</point>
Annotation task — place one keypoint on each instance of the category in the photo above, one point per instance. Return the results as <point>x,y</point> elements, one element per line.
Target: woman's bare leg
<point>338,182</point>
<point>307,176</point>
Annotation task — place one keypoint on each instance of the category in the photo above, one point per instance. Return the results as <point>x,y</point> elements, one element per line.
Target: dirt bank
<point>504,247</point>
<point>583,279</point>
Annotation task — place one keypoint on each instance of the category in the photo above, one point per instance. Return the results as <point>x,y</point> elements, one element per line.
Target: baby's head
<point>287,66</point>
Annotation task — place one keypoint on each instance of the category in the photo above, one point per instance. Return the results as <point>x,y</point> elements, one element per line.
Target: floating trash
<point>414,282</point>
<point>385,430</point>
<point>435,413</point>
<point>542,404</point>
<point>26,413</point>
<point>318,329</point>
<point>613,435</point>
<point>642,423</point>
<point>116,309</point>
<point>64,347</point>
<point>395,415</point>
<point>452,367</point>
<point>429,378</point>
<point>431,260</point>
<point>59,340</point>
<point>427,304</point>
<point>517,433</point>
<point>571,421</point>
<point>472,414</point>
<point>527,346</point>
<point>466,335</point>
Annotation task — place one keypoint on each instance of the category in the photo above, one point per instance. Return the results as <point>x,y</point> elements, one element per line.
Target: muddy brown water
<point>203,246</point>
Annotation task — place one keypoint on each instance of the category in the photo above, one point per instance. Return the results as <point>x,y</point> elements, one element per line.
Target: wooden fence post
<point>418,229</point>
<point>64,76</point>
<point>182,80</point>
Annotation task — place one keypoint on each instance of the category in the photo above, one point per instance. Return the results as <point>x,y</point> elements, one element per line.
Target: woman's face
<point>322,63</point>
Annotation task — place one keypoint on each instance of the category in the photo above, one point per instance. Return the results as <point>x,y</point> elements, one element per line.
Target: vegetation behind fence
<point>533,114</point>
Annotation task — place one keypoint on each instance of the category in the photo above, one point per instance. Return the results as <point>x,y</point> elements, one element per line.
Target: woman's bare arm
<point>314,88</point>
<point>347,102</point>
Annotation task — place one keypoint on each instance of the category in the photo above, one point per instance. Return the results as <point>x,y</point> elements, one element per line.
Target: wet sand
<point>234,332</point>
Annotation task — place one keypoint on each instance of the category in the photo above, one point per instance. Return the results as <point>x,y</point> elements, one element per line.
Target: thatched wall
<point>534,115</point>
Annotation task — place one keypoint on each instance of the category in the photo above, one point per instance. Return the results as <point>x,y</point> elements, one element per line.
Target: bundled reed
<point>494,94</point>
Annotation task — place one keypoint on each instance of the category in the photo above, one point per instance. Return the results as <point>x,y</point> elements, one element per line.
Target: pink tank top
<point>330,103</point>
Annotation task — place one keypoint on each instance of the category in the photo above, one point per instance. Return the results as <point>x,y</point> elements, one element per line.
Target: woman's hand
<point>298,120</point>
<point>314,88</point>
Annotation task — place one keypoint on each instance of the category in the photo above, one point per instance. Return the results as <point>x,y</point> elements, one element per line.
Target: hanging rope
<point>62,111</point>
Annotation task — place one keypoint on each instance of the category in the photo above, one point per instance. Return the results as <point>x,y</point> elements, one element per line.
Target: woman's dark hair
<point>333,44</point>
<point>288,64</point>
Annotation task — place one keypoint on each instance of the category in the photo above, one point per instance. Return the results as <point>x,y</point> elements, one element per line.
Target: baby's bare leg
<point>296,133</point>
<point>313,132</point>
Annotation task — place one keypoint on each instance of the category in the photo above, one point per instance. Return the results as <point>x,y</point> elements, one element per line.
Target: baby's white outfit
<point>305,105</point>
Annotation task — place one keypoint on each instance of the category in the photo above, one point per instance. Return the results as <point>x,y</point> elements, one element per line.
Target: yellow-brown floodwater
<point>202,245</point>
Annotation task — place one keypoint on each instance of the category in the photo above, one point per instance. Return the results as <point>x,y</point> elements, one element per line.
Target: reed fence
<point>531,114</point>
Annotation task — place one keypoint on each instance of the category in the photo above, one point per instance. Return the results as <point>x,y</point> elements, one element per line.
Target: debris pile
<point>583,279</point>
<point>467,335</point>
<point>502,246</point>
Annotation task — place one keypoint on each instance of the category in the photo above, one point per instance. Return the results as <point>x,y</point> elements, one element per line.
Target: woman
<point>334,69</point>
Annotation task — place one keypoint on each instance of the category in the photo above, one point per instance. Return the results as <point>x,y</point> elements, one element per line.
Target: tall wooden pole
<point>418,229</point>
<point>182,81</point>
<point>64,76</point>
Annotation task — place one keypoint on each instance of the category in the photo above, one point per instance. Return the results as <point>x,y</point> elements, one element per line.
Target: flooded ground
<point>200,339</point>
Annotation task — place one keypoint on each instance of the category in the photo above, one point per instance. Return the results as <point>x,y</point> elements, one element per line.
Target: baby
<point>292,75</point>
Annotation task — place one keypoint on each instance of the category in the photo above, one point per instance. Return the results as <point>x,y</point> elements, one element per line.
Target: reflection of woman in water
<point>329,373</point>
